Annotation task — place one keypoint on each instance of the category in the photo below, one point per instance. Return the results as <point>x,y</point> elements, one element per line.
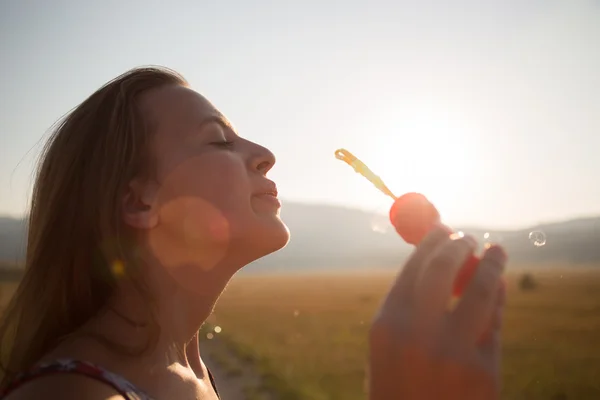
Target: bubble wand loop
<point>412,214</point>
<point>361,168</point>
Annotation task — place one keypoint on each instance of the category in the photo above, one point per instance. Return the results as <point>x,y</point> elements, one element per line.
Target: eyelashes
<point>223,144</point>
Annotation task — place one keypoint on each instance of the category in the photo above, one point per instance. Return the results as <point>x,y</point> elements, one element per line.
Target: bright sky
<point>490,108</point>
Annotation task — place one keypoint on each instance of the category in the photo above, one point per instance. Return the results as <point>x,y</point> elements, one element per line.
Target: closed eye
<point>223,143</point>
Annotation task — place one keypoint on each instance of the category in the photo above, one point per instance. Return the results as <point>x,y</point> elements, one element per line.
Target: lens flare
<point>490,238</point>
<point>117,268</point>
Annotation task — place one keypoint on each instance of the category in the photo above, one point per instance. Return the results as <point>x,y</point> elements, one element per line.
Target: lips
<point>269,194</point>
<point>268,190</point>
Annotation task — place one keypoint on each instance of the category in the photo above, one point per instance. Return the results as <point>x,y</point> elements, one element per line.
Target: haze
<point>490,108</point>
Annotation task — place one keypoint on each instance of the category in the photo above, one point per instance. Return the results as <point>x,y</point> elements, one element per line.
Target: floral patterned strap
<point>125,388</point>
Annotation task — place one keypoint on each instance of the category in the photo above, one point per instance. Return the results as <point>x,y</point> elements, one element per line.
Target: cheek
<point>194,233</point>
<point>218,179</point>
<point>211,193</point>
<point>195,220</point>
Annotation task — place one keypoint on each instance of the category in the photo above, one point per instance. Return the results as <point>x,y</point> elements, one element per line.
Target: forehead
<point>176,108</point>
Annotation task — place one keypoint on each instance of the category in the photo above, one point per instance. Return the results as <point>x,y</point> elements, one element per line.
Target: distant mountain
<point>325,236</point>
<point>333,237</point>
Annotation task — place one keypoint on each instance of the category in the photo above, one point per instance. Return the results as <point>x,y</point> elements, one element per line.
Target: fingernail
<point>472,241</point>
<point>467,238</point>
<point>497,254</point>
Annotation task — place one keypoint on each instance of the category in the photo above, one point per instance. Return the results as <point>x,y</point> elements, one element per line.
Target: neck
<point>174,311</point>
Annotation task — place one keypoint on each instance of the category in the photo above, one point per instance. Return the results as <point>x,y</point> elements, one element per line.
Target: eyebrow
<point>219,119</point>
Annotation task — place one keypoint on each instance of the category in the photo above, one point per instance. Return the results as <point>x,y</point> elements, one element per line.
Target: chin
<point>268,238</point>
<point>277,236</point>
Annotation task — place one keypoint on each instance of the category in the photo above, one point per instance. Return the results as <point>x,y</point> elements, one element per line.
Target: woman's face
<point>212,204</point>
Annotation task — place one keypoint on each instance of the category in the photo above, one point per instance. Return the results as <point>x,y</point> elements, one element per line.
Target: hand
<point>422,349</point>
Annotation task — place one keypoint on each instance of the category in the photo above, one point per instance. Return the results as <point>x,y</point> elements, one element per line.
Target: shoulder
<point>64,387</point>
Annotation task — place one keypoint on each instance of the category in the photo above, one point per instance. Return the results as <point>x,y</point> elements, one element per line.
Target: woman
<point>146,203</point>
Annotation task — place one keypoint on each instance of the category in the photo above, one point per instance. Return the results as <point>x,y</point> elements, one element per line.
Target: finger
<point>402,289</point>
<point>434,286</point>
<point>495,322</point>
<point>490,343</point>
<point>474,309</point>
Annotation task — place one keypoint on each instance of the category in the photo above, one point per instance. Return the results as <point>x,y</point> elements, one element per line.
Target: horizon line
<point>572,218</point>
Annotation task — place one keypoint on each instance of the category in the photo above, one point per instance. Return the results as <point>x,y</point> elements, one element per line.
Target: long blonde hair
<point>75,229</point>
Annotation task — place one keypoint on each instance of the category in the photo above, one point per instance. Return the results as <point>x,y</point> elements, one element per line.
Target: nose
<point>263,159</point>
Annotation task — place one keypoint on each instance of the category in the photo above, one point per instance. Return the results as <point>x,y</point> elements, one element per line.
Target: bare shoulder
<point>64,387</point>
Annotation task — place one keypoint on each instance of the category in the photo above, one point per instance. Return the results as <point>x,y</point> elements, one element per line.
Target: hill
<point>341,238</point>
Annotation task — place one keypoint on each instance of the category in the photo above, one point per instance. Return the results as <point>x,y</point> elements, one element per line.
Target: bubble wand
<point>412,214</point>
<point>361,168</point>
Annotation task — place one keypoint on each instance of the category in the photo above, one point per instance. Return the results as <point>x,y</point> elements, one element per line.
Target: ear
<point>140,205</point>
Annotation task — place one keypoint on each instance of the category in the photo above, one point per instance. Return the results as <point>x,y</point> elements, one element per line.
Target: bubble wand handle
<point>361,168</point>
<point>412,215</point>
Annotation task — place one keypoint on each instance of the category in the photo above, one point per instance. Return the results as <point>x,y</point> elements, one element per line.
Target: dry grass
<point>310,332</point>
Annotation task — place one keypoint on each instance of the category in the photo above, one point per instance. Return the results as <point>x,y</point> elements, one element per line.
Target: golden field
<point>306,335</point>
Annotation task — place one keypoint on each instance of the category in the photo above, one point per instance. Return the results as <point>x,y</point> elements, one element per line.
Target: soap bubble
<point>538,238</point>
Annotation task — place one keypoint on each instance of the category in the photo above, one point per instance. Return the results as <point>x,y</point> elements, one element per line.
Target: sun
<point>426,152</point>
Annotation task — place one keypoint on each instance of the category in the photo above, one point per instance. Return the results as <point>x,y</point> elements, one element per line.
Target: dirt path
<point>235,379</point>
